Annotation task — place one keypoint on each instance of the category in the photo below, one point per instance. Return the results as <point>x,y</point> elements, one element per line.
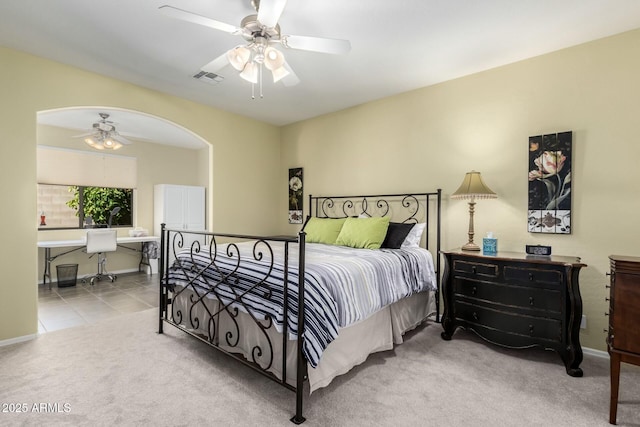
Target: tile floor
<point>61,308</point>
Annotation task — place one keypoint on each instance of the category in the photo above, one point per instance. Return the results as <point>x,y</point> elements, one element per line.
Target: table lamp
<point>473,188</point>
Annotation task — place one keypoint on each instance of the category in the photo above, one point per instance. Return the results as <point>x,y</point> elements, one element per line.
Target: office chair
<point>100,241</point>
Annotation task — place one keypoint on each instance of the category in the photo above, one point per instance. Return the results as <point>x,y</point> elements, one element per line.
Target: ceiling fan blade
<point>291,79</point>
<point>83,135</point>
<point>183,15</point>
<point>269,12</point>
<point>317,44</point>
<point>121,139</point>
<point>217,64</point>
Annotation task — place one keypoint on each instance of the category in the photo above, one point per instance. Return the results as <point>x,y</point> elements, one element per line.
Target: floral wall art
<point>295,196</point>
<point>550,183</point>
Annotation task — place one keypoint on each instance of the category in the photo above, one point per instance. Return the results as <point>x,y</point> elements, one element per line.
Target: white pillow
<point>413,238</point>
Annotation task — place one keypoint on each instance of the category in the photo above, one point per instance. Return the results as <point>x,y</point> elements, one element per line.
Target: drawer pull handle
<point>530,329</point>
<point>474,290</point>
<point>607,287</point>
<point>606,314</point>
<point>531,277</point>
<point>474,270</point>
<point>531,301</point>
<point>475,316</point>
<point>607,299</point>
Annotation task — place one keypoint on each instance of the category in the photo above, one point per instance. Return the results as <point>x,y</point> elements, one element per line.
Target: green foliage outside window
<point>98,203</point>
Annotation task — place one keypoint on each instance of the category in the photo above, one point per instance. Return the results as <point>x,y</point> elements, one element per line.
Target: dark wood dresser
<point>623,340</point>
<point>515,301</point>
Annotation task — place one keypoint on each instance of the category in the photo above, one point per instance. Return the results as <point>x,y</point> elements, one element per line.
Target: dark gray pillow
<point>396,233</point>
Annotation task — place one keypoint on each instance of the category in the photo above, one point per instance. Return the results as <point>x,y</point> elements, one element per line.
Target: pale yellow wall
<point>243,177</point>
<point>415,141</point>
<point>157,164</point>
<point>429,138</point>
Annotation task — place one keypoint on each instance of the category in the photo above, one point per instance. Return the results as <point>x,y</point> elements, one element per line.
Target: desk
<point>81,244</point>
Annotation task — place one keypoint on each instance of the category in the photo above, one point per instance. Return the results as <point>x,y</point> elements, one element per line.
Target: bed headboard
<point>406,208</point>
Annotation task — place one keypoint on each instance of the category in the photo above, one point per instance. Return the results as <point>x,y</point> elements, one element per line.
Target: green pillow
<point>368,233</point>
<point>323,230</point>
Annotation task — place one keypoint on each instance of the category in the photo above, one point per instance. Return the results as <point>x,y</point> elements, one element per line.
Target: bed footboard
<point>252,305</point>
<point>203,291</point>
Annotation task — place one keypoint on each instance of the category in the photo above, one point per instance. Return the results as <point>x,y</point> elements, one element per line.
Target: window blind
<point>72,167</point>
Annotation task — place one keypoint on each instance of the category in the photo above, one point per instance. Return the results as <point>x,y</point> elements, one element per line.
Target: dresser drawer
<point>625,312</point>
<point>516,324</point>
<point>531,298</point>
<point>475,268</point>
<point>534,276</point>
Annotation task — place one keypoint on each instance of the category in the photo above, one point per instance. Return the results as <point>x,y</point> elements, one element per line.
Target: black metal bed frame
<point>174,241</point>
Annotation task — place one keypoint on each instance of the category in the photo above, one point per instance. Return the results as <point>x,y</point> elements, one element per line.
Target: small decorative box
<point>538,250</point>
<point>489,246</point>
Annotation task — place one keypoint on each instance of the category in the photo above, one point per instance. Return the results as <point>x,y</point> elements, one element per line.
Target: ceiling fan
<point>104,135</point>
<point>261,32</point>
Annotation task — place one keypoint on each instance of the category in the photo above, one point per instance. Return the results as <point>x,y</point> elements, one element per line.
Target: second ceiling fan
<point>262,32</point>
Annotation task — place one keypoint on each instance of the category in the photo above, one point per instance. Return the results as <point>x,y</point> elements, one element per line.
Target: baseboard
<point>17,340</point>
<point>595,353</point>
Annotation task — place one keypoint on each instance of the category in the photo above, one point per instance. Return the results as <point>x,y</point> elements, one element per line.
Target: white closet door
<point>194,208</point>
<point>174,206</point>
<point>180,207</point>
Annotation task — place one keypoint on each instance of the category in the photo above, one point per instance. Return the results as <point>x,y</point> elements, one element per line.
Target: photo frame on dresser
<point>549,195</point>
<point>295,196</point>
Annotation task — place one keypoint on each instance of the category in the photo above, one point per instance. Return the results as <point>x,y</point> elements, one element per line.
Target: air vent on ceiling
<point>211,78</point>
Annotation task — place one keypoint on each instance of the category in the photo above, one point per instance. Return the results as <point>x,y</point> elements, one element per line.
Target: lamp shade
<point>238,57</point>
<point>91,142</point>
<point>250,72</point>
<point>279,73</point>
<point>473,187</point>
<point>273,58</point>
<point>111,144</point>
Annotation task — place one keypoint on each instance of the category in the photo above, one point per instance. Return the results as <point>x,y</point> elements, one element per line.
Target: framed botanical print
<point>550,183</point>
<point>295,196</point>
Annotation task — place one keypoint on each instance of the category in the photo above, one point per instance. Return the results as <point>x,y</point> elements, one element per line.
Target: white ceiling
<point>397,45</point>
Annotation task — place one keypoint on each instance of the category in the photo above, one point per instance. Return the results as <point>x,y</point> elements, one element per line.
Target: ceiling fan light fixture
<point>279,73</point>
<point>273,58</point>
<point>261,31</point>
<point>238,57</point>
<point>91,142</point>
<point>250,72</point>
<point>104,135</point>
<point>111,143</point>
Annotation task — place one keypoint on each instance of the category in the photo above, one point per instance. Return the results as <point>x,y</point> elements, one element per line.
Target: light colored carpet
<point>121,372</point>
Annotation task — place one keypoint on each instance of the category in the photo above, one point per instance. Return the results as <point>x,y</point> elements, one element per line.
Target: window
<point>68,206</point>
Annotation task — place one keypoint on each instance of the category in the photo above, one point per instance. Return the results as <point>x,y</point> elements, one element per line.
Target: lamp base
<point>471,247</point>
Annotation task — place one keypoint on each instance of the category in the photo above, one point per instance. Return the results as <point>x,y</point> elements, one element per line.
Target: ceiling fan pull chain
<point>260,72</point>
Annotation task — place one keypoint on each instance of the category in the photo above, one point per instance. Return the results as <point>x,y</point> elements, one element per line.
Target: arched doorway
<point>166,153</point>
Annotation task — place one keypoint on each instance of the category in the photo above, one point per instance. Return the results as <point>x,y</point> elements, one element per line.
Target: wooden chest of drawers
<point>623,340</point>
<point>515,301</point>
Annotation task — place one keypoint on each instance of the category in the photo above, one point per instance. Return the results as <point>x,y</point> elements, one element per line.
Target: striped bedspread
<point>342,285</point>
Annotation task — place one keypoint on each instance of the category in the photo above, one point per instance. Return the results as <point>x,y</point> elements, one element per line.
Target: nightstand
<point>515,300</point>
